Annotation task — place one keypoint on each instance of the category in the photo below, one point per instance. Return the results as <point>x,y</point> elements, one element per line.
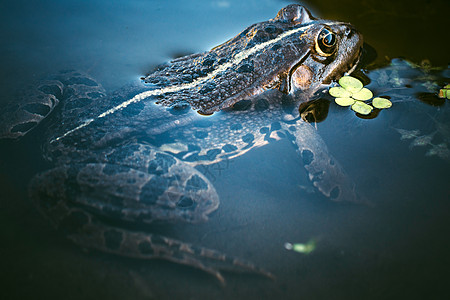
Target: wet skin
<point>130,156</point>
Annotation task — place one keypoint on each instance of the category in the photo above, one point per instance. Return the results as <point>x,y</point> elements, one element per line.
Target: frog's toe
<point>34,105</point>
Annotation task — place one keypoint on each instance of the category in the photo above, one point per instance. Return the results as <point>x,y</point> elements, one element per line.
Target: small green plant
<point>352,93</point>
<point>306,248</point>
<point>445,92</point>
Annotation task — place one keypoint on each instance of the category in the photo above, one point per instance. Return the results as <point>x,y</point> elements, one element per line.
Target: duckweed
<point>337,91</point>
<point>352,93</point>
<point>306,248</point>
<point>344,101</point>
<point>445,92</point>
<point>363,94</point>
<point>362,108</point>
<point>380,103</point>
<point>350,83</point>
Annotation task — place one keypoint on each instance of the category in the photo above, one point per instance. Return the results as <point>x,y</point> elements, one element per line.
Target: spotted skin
<point>275,54</point>
<point>38,102</point>
<point>131,156</point>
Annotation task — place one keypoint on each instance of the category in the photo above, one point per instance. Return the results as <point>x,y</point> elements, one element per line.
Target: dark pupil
<point>327,41</point>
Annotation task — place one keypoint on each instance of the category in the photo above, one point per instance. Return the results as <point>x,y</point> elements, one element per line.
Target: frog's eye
<point>326,42</point>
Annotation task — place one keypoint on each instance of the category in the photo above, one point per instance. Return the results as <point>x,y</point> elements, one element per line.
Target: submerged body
<point>130,156</point>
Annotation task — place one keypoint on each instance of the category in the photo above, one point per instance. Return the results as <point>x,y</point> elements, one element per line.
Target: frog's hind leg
<point>71,89</point>
<point>141,245</point>
<point>75,198</point>
<point>33,105</point>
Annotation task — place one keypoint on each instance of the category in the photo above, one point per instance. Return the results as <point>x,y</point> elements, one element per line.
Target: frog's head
<point>321,51</point>
<point>292,52</point>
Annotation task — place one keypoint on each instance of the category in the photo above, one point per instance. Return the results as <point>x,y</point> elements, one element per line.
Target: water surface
<point>396,247</point>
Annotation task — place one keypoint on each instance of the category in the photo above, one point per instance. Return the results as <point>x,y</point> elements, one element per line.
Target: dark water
<point>396,248</point>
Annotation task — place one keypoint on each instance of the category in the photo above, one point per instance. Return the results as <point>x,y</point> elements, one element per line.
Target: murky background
<point>396,248</point>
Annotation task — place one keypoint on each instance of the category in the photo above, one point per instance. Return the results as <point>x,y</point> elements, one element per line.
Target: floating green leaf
<point>337,91</point>
<point>307,248</point>
<point>363,95</point>
<point>344,101</point>
<point>351,84</point>
<point>445,92</point>
<point>362,108</point>
<point>379,102</point>
<point>351,92</point>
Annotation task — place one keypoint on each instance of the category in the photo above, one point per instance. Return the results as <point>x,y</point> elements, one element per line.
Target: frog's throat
<point>239,57</point>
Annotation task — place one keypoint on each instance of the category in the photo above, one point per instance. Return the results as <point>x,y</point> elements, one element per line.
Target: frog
<point>132,156</point>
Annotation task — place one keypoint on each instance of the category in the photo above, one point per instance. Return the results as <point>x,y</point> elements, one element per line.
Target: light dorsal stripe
<point>238,58</point>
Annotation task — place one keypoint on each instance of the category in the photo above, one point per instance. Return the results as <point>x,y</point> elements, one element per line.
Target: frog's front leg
<point>325,173</point>
<point>143,187</point>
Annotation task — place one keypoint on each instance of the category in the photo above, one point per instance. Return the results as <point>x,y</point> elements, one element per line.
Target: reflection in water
<point>404,81</point>
<point>314,111</point>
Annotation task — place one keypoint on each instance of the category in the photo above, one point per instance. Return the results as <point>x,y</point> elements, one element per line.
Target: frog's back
<point>263,56</point>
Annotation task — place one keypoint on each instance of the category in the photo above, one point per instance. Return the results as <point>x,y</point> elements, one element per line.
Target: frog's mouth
<point>345,69</point>
<point>353,65</point>
<point>348,55</point>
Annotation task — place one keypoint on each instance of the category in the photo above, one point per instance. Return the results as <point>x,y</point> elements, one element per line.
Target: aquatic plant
<point>418,139</point>
<point>445,92</point>
<point>351,92</point>
<point>305,248</point>
<point>380,102</point>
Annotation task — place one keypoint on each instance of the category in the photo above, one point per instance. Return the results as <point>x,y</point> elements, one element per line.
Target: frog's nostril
<point>349,32</point>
